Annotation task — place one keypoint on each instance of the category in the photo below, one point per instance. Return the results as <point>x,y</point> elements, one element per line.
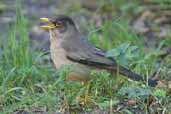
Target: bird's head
<point>61,24</point>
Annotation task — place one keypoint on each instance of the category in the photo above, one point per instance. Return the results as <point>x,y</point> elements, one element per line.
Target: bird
<point>69,46</point>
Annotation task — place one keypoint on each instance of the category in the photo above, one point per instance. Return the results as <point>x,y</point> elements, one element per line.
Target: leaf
<point>123,53</point>
<point>113,53</point>
<point>118,50</point>
<point>124,46</point>
<point>133,92</point>
<point>123,60</point>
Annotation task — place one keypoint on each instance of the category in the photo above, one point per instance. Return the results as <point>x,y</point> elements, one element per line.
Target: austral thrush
<point>69,46</point>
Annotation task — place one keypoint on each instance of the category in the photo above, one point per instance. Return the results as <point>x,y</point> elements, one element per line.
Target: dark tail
<point>126,72</point>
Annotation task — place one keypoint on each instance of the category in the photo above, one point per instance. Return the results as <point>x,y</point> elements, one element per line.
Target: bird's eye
<point>58,23</point>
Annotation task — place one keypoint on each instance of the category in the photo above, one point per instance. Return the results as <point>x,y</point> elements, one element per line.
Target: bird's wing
<point>84,52</point>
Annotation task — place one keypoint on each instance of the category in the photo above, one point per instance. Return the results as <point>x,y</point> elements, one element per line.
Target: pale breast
<point>58,57</point>
<point>58,54</point>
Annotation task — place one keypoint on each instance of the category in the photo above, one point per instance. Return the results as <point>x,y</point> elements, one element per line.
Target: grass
<point>27,80</point>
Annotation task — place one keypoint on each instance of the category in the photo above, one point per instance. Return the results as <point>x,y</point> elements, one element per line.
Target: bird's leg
<point>84,79</point>
<point>87,92</point>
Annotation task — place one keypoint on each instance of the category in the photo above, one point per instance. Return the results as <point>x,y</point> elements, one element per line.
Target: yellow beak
<point>50,24</point>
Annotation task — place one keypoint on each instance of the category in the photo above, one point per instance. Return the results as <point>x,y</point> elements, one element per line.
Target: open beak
<point>50,23</point>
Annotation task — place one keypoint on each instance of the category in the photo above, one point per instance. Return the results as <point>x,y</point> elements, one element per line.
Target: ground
<point>136,33</point>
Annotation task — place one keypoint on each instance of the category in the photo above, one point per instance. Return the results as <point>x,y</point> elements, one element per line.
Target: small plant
<point>124,53</point>
<point>134,92</point>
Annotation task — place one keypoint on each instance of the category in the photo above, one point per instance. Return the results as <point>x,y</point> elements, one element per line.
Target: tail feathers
<point>126,72</point>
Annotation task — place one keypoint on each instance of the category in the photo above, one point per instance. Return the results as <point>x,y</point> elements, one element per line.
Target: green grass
<point>27,80</point>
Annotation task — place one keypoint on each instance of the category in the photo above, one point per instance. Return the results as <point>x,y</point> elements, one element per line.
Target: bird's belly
<point>59,57</point>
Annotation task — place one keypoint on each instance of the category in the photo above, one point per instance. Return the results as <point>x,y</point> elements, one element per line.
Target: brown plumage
<point>68,46</point>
